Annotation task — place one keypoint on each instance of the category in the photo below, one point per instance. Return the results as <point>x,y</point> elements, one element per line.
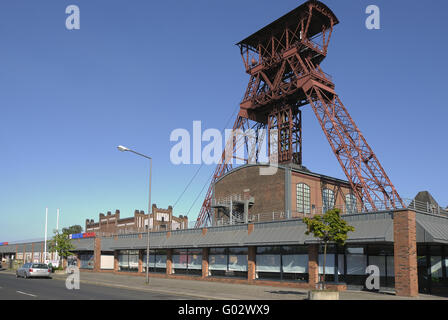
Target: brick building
<point>159,219</point>
<point>292,192</point>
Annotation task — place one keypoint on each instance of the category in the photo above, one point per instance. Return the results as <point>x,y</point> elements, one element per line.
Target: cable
<point>202,164</point>
<point>206,183</point>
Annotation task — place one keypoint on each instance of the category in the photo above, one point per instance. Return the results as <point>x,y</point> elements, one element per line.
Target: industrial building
<point>409,246</point>
<point>250,227</point>
<point>159,219</point>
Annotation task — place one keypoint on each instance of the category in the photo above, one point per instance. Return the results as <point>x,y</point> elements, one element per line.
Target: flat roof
<point>291,19</point>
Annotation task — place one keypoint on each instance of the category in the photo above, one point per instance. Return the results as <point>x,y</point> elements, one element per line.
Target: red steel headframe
<point>283,61</point>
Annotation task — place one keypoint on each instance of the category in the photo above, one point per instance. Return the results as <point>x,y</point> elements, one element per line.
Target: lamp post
<point>123,149</point>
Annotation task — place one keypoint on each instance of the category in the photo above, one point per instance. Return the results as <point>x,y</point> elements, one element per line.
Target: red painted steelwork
<point>283,61</point>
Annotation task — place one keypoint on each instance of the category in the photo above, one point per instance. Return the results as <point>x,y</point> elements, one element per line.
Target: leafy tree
<point>72,230</point>
<point>329,227</point>
<point>62,244</point>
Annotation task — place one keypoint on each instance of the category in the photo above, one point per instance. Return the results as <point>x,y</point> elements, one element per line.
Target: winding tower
<point>283,61</point>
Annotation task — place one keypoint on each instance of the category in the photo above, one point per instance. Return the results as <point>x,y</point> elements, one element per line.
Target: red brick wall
<point>97,254</point>
<point>268,191</point>
<point>251,256</point>
<point>313,265</point>
<point>405,254</point>
<point>205,262</point>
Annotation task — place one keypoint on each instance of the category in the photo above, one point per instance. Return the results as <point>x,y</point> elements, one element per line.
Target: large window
<point>382,256</point>
<point>327,200</point>
<point>229,262</point>
<point>157,261</point>
<point>350,203</point>
<point>128,260</point>
<point>86,260</point>
<point>282,263</point>
<point>334,263</point>
<point>303,198</point>
<point>187,261</point>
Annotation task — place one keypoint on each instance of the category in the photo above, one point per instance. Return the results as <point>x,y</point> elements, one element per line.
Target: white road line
<point>27,294</point>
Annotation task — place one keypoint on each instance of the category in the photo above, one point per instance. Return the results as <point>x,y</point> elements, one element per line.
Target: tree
<point>72,230</point>
<point>62,244</point>
<point>329,227</point>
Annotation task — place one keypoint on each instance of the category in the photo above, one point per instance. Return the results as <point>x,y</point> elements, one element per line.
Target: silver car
<point>32,270</point>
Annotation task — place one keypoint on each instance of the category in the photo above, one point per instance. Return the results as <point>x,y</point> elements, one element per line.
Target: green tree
<point>62,244</point>
<point>329,227</point>
<point>72,229</point>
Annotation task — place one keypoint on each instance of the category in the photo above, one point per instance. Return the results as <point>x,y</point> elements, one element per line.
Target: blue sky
<point>137,70</point>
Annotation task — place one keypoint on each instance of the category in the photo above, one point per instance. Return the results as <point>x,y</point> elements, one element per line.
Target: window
<point>350,203</point>
<point>86,260</point>
<point>327,199</point>
<point>268,262</point>
<point>303,198</point>
<point>157,261</point>
<point>128,260</point>
<point>187,261</point>
<point>282,263</point>
<point>228,262</point>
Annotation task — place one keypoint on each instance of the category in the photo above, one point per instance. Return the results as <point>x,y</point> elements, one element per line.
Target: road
<point>12,288</point>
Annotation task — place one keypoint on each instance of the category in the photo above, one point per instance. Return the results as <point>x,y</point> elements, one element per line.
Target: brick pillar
<point>97,255</point>
<point>140,261</point>
<point>169,261</point>
<point>405,254</point>
<point>205,262</point>
<point>251,263</point>
<point>250,228</point>
<point>42,252</point>
<point>78,260</point>
<point>24,253</point>
<point>32,252</point>
<point>313,265</point>
<point>115,261</point>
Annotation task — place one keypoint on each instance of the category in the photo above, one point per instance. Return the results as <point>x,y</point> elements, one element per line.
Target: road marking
<point>27,294</point>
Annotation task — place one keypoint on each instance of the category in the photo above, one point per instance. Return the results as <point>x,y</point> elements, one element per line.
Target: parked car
<point>33,270</point>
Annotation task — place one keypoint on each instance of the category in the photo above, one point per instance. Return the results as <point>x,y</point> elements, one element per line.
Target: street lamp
<point>123,149</point>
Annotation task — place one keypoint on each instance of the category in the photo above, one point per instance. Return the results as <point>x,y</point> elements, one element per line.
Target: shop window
<point>238,259</point>
<point>282,263</point>
<point>128,260</point>
<point>217,261</point>
<point>268,263</point>
<point>187,261</point>
<point>436,268</point>
<point>157,261</point>
<point>229,262</point>
<point>179,259</point>
<point>86,261</point>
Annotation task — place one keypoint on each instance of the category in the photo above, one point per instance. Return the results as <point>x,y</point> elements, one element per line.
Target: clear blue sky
<point>136,70</point>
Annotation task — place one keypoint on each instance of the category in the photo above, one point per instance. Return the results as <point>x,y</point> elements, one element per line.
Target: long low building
<point>409,248</point>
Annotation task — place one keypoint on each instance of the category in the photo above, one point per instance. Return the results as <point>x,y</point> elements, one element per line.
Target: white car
<point>33,270</point>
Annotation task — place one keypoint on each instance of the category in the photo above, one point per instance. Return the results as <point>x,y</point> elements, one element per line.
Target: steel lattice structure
<point>283,60</point>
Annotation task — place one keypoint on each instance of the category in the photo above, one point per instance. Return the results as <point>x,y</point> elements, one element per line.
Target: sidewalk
<point>218,290</point>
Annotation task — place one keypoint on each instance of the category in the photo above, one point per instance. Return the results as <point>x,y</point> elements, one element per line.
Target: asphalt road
<point>12,288</point>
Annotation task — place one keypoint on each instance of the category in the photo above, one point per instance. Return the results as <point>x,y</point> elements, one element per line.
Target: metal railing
<point>423,207</point>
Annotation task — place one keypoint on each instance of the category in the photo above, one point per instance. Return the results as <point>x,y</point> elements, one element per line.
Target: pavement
<point>133,287</point>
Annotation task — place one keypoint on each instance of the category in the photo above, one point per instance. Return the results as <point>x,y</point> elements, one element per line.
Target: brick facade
<point>159,219</point>
<point>268,192</point>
